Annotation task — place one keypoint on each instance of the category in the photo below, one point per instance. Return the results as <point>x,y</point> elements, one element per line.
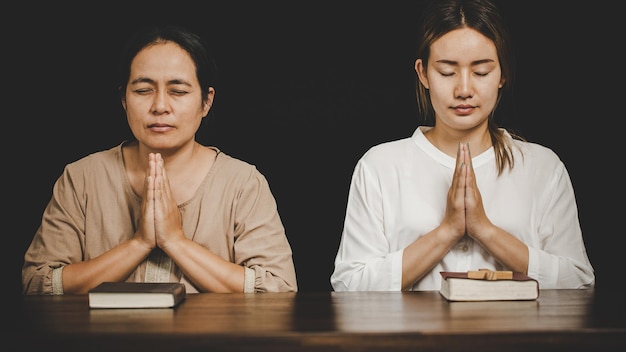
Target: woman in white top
<point>425,204</point>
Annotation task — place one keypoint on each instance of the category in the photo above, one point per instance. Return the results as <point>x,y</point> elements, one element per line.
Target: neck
<point>448,140</point>
<point>174,159</point>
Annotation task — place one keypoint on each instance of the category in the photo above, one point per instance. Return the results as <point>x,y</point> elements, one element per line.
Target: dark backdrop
<point>306,88</point>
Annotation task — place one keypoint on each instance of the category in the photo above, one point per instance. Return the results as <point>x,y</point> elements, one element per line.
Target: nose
<point>463,89</point>
<point>160,103</point>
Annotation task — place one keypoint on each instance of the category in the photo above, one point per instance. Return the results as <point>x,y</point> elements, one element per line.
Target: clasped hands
<point>160,220</point>
<point>465,213</point>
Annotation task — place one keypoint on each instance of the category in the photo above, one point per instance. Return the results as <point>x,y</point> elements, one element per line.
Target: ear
<point>502,81</point>
<point>421,72</point>
<point>206,107</point>
<point>122,98</point>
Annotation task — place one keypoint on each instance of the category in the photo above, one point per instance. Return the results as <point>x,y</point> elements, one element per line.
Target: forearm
<point>208,271</point>
<point>114,265</point>
<point>505,248</point>
<point>424,253</point>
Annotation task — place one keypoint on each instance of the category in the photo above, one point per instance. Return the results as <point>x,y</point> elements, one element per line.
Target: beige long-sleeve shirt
<point>93,209</point>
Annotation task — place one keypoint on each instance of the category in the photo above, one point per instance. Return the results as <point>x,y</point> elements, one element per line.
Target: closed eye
<point>178,92</point>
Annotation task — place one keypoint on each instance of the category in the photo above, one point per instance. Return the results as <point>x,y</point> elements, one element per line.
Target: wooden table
<point>560,320</point>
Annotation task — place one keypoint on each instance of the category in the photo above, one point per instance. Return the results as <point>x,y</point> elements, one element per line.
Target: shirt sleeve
<point>363,261</point>
<point>559,259</point>
<point>58,241</point>
<point>261,243</point>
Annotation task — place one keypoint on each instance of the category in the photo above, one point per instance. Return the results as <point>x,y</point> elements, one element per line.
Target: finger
<point>145,226</point>
<point>471,187</point>
<point>158,176</point>
<point>151,177</point>
<point>164,184</point>
<point>458,168</point>
<point>456,193</point>
<point>462,161</point>
<point>168,222</point>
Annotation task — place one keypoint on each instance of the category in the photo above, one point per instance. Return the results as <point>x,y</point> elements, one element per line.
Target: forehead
<point>163,59</point>
<point>462,45</point>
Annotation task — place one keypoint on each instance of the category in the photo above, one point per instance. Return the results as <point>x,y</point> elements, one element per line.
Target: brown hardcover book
<point>137,295</point>
<point>486,285</point>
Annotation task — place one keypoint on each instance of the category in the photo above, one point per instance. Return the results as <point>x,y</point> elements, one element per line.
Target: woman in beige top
<point>161,207</point>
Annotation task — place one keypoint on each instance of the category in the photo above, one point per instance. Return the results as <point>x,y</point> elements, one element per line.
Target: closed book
<point>463,286</point>
<point>137,295</point>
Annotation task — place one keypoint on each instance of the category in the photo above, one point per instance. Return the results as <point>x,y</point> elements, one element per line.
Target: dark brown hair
<point>442,16</point>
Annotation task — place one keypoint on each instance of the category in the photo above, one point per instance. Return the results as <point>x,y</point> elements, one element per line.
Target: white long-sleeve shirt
<point>398,193</point>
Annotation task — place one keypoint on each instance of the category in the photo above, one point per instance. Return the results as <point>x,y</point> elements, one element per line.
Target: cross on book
<point>486,274</point>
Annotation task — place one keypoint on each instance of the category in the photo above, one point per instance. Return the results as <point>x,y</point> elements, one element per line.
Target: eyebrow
<point>151,81</point>
<point>473,63</point>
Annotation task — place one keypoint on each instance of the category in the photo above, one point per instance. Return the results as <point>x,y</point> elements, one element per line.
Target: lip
<point>464,109</point>
<point>160,127</point>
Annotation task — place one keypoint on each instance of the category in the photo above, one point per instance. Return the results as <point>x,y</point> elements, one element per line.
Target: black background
<point>306,88</point>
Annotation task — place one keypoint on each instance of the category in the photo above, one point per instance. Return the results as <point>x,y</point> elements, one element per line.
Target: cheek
<point>440,93</point>
<point>135,112</point>
<point>132,104</point>
<point>132,112</point>
<point>489,92</point>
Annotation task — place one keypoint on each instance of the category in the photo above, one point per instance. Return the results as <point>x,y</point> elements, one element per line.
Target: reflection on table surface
<point>558,320</point>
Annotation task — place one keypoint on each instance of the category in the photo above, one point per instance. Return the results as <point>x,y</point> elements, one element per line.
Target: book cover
<point>486,285</point>
<point>137,295</point>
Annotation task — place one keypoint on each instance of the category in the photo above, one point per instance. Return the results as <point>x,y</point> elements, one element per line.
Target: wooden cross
<point>486,274</point>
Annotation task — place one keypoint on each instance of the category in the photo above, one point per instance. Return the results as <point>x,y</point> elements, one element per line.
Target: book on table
<point>487,285</point>
<point>137,295</point>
